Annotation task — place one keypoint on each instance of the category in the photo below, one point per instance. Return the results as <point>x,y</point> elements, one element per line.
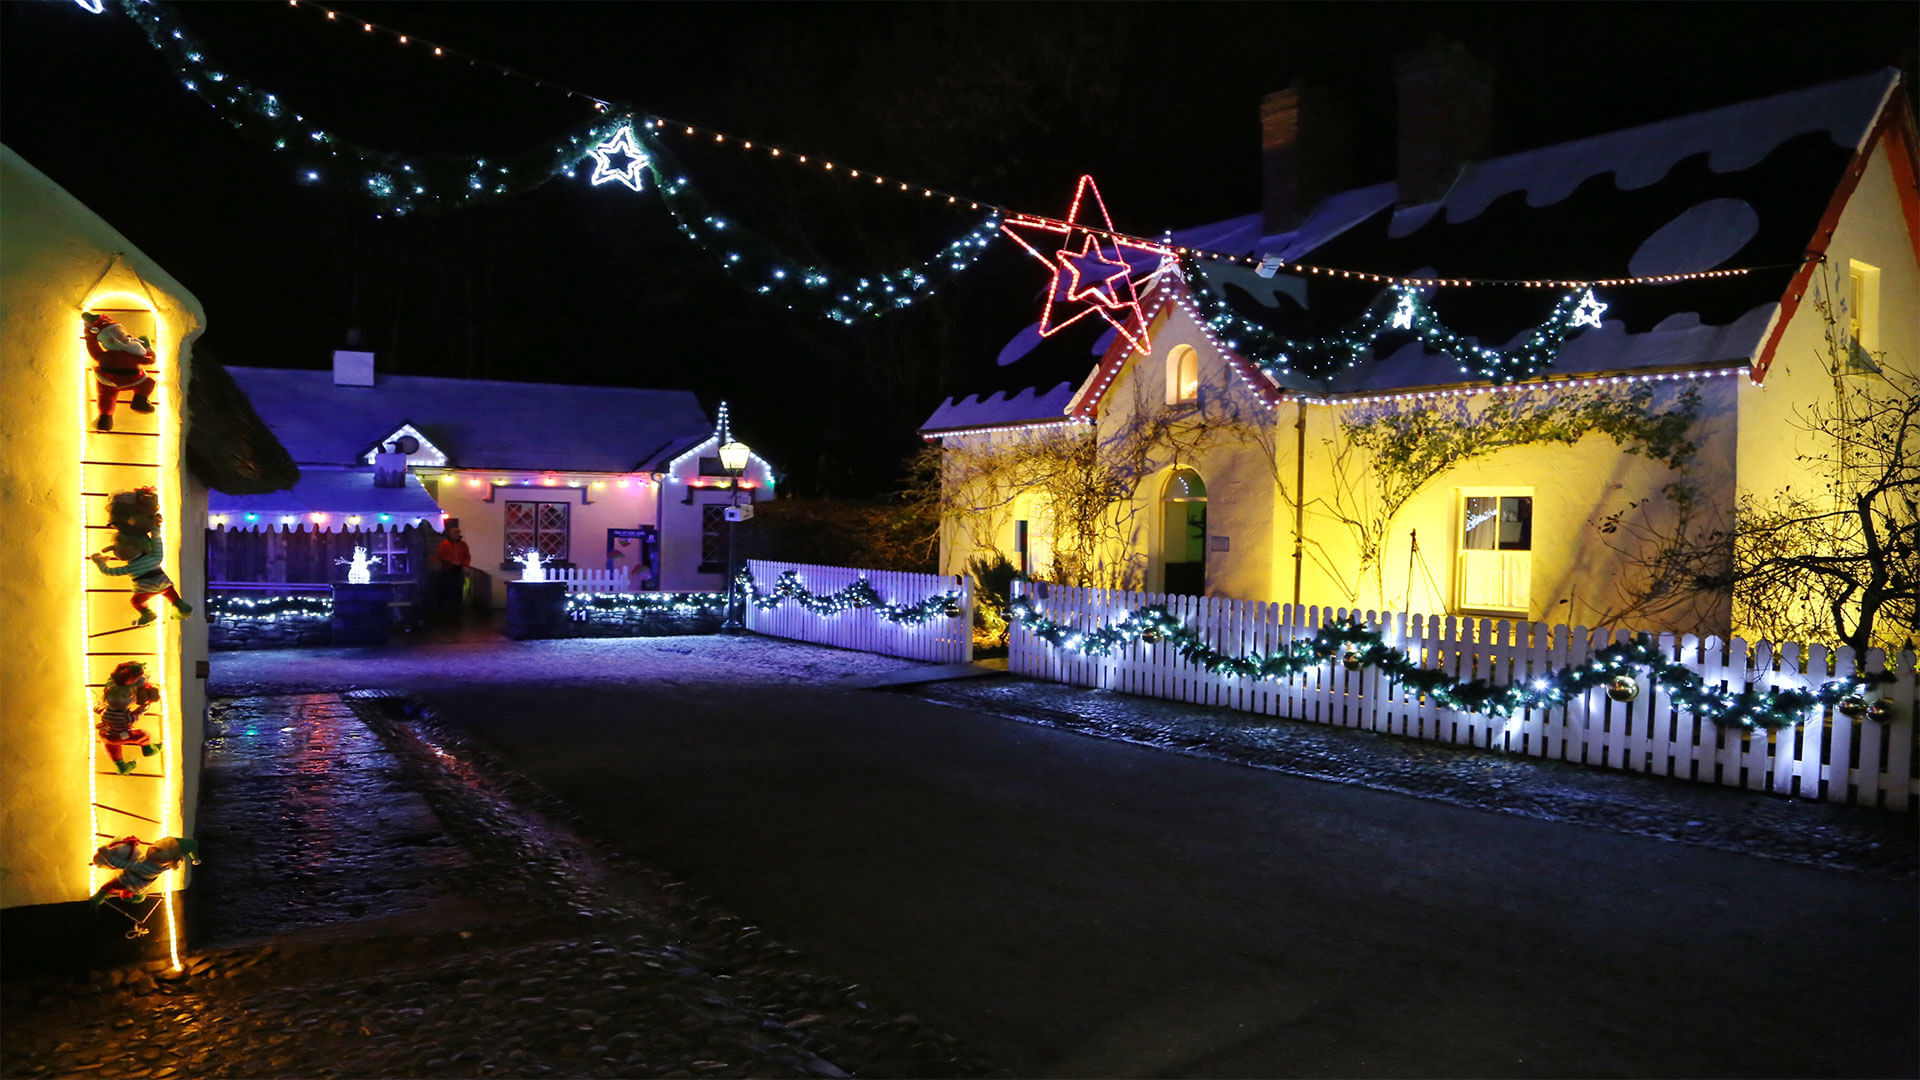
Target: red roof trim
<point>1088,403</point>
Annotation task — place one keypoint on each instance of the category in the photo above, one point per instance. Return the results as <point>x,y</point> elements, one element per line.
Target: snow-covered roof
<point>478,423</point>
<point>337,493</point>
<point>1744,185</point>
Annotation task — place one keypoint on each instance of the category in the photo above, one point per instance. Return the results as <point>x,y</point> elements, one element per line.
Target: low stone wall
<point>644,614</point>
<point>250,620</point>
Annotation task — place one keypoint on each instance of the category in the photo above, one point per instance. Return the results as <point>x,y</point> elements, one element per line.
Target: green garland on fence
<point>222,606</point>
<point>1357,647</point>
<point>859,595</point>
<point>582,606</point>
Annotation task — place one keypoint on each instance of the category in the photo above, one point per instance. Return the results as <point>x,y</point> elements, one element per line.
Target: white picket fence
<point>591,581</point>
<point>941,639</point>
<point>1837,758</point>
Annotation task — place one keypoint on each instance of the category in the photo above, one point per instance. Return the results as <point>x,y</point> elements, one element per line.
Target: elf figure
<point>119,363</point>
<point>127,696</point>
<point>140,864</point>
<point>135,517</point>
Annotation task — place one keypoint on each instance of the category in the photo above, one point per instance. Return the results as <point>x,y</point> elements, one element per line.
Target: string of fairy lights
<point>401,184</point>
<point>1617,668</point>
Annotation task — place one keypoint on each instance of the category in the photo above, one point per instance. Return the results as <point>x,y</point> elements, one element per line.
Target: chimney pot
<point>352,368</point>
<point>1445,117</point>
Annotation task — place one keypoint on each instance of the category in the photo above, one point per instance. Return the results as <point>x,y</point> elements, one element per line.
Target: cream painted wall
<point>1872,229</point>
<point>462,494</point>
<point>59,259</point>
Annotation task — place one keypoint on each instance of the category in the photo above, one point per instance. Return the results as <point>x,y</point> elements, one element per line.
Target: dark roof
<point>1740,186</point>
<point>229,447</point>
<point>479,423</point>
<point>336,492</point>
<point>994,410</point>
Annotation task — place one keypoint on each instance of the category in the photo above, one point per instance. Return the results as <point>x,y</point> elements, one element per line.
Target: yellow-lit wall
<point>1873,230</point>
<point>58,260</point>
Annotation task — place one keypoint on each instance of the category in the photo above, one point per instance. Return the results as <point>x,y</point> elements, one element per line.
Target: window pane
<point>1516,523</point>
<point>713,534</point>
<point>1482,532</point>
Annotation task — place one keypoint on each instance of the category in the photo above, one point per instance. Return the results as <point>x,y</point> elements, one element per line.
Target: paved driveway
<point>1077,906</point>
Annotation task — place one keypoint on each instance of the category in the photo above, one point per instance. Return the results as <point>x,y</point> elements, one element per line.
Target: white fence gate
<point>1837,758</point>
<point>946,639</point>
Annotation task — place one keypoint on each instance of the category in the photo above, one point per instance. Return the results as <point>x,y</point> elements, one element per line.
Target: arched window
<point>1183,533</point>
<point>1183,375</point>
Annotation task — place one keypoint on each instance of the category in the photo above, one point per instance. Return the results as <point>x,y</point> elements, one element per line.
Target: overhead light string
<point>404,185</point>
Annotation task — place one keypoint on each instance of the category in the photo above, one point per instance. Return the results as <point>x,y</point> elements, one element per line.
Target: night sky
<point>1004,103</point>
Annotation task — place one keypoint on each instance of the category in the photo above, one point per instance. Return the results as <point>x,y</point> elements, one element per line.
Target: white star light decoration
<point>1403,315</point>
<point>620,145</point>
<point>1589,313</point>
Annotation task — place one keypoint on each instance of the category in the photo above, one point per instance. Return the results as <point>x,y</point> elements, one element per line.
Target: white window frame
<point>1503,577</point>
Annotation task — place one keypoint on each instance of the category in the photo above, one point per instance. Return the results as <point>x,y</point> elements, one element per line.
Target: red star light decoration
<point>1089,267</point>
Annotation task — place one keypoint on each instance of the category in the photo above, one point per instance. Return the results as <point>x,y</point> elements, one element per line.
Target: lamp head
<point>734,457</point>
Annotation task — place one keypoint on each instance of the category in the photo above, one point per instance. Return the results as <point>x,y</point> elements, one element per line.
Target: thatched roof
<point>228,446</point>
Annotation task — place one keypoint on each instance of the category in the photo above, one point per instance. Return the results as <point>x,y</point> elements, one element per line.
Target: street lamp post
<point>734,456</point>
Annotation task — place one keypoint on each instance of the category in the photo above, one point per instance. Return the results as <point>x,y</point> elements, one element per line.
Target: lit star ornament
<point>1403,315</point>
<point>620,145</point>
<point>1091,274</point>
<point>1589,313</point>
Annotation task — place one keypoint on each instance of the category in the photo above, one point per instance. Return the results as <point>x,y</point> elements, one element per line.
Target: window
<point>392,551</point>
<point>1863,316</point>
<point>1020,550</point>
<point>1494,571</point>
<point>713,538</point>
<point>537,526</point>
<point>1183,375</point>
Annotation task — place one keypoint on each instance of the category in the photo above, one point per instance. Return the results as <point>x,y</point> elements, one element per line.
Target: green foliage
<point>865,533</point>
<point>993,578</point>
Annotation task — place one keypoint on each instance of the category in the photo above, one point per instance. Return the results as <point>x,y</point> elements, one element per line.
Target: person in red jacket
<point>454,560</point>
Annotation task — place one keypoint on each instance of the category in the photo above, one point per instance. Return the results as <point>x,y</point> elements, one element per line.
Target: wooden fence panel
<point>1831,756</point>
<point>941,639</point>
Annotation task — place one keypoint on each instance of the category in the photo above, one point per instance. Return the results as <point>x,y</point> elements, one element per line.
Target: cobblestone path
<point>377,900</point>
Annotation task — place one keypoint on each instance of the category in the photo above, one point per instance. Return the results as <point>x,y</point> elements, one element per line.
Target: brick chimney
<point>1304,150</point>
<point>1446,117</point>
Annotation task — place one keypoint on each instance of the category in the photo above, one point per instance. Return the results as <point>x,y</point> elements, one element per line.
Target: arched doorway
<point>1183,533</point>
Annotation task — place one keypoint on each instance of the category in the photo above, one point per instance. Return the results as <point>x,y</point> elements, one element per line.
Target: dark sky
<point>1005,103</point>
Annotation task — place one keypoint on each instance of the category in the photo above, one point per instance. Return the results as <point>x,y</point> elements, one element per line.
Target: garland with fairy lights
<point>1398,309</point>
<point>228,607</point>
<point>397,184</point>
<point>582,607</point>
<point>861,595</point>
<point>619,148</point>
<point>840,297</point>
<point>1356,647</point>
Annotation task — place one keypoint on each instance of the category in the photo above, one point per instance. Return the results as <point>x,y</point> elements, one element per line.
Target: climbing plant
<point>1385,453</point>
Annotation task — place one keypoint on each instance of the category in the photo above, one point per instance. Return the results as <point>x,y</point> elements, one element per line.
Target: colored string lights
<point>1614,667</point>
